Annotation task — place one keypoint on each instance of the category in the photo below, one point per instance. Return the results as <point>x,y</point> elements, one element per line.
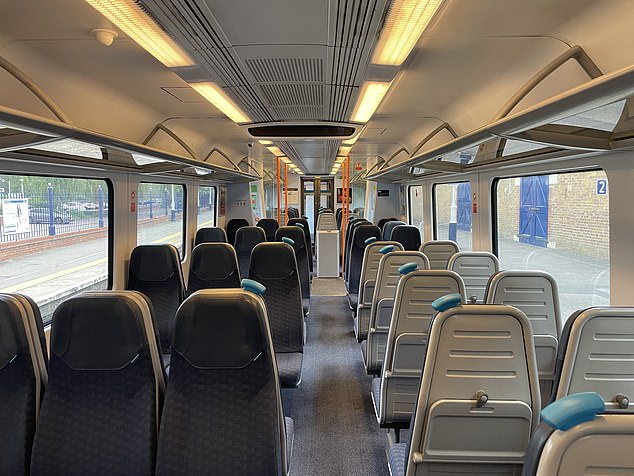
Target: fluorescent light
<point>405,23</point>
<point>276,151</point>
<point>286,160</point>
<point>370,97</point>
<point>266,142</point>
<point>339,159</point>
<point>216,96</point>
<point>139,26</point>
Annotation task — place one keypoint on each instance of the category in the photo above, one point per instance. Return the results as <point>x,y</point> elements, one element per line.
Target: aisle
<point>336,432</point>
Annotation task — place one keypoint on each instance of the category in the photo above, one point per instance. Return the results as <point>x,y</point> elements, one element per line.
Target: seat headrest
<point>220,329</point>
<point>154,262</point>
<point>98,331</point>
<point>272,260</point>
<point>363,232</point>
<point>210,235</point>
<point>236,223</point>
<point>294,233</point>
<point>12,333</point>
<point>249,236</point>
<point>268,223</point>
<point>213,261</point>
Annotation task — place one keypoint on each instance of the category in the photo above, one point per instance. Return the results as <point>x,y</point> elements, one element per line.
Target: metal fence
<point>30,215</point>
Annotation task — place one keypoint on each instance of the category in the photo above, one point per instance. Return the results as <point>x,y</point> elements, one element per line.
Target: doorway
<point>316,193</point>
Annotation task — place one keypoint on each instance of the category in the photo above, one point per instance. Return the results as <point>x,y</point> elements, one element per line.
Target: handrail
<point>47,100</point>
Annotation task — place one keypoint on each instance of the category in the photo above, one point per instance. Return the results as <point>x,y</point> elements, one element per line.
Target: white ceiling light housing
<point>138,25</point>
<point>370,97</point>
<point>216,96</point>
<point>405,23</point>
<point>276,151</point>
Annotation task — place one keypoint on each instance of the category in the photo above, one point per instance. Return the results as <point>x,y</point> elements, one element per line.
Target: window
<point>452,213</point>
<point>54,237</point>
<point>558,224</point>
<point>416,207</point>
<point>206,207</point>
<point>160,214</point>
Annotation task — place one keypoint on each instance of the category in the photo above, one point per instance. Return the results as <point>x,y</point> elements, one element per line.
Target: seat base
<point>289,368</point>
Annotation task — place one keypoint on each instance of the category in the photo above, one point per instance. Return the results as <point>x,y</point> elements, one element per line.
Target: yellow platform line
<point>48,277</point>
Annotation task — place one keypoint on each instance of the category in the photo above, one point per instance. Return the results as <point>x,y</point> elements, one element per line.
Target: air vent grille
<point>287,70</point>
<point>299,112</point>
<point>293,94</point>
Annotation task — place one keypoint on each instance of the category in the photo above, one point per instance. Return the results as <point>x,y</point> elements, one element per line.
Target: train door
<point>533,223</point>
<point>317,192</point>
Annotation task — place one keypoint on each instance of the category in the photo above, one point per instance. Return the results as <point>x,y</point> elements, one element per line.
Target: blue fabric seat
<point>223,402</point>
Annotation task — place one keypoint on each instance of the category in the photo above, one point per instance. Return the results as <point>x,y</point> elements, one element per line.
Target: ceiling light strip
<point>370,97</point>
<point>405,23</point>
<point>216,96</point>
<point>138,25</point>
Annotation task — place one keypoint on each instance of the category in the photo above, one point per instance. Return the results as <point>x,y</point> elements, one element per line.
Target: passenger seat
<point>213,265</point>
<point>212,234</point>
<point>439,252</point>
<point>223,409</point>
<point>246,239</point>
<point>155,271</point>
<point>101,409</point>
<point>23,375</point>
<point>232,226</point>
<point>270,226</point>
<point>273,265</point>
<point>296,235</point>
<point>408,236</point>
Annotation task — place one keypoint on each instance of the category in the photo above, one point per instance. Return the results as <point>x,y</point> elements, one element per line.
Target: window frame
<point>215,215</point>
<point>434,203</point>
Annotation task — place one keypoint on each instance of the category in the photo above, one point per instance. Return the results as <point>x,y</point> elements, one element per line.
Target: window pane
<point>453,213</point>
<point>416,207</point>
<point>206,207</point>
<point>558,224</point>
<point>160,217</point>
<point>53,237</point>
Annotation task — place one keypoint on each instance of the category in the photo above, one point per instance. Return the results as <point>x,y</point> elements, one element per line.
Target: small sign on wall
<point>383,193</point>
<point>602,187</point>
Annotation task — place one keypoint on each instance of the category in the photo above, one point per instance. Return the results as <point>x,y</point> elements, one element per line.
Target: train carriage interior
<point>316,237</point>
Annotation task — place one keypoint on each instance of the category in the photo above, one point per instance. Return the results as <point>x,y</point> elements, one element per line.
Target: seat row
<point>105,405</point>
<point>281,267</point>
<point>478,403</point>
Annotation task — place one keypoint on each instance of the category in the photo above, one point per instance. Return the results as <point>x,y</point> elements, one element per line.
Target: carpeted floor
<point>336,432</point>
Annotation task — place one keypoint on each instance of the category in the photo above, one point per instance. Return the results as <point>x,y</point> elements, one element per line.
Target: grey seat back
<point>386,231</point>
<point>387,279</point>
<point>101,409</point>
<point>23,375</point>
<point>222,344</point>
<point>301,255</point>
<point>534,293</point>
<point>407,340</point>
<point>592,447</point>
<point>213,265</point>
<point>595,354</point>
<point>232,226</point>
<point>211,234</point>
<point>270,226</point>
<point>273,265</point>
<point>371,257</point>
<point>246,239</point>
<point>408,236</point>
<point>155,270</point>
<point>475,268</point>
<point>326,221</point>
<point>439,252</point>
<point>357,249</point>
<point>303,224</point>
<point>478,401</point>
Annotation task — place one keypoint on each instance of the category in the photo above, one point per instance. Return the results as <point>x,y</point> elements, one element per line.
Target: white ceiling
<point>286,65</point>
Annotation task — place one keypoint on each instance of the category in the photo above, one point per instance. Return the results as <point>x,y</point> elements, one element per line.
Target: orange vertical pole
<point>285,193</point>
<point>279,191</point>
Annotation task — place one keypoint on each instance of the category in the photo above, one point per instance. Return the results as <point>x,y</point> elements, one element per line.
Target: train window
<point>416,207</point>
<point>160,214</point>
<point>558,224</point>
<point>206,206</point>
<point>452,213</point>
<point>54,237</point>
